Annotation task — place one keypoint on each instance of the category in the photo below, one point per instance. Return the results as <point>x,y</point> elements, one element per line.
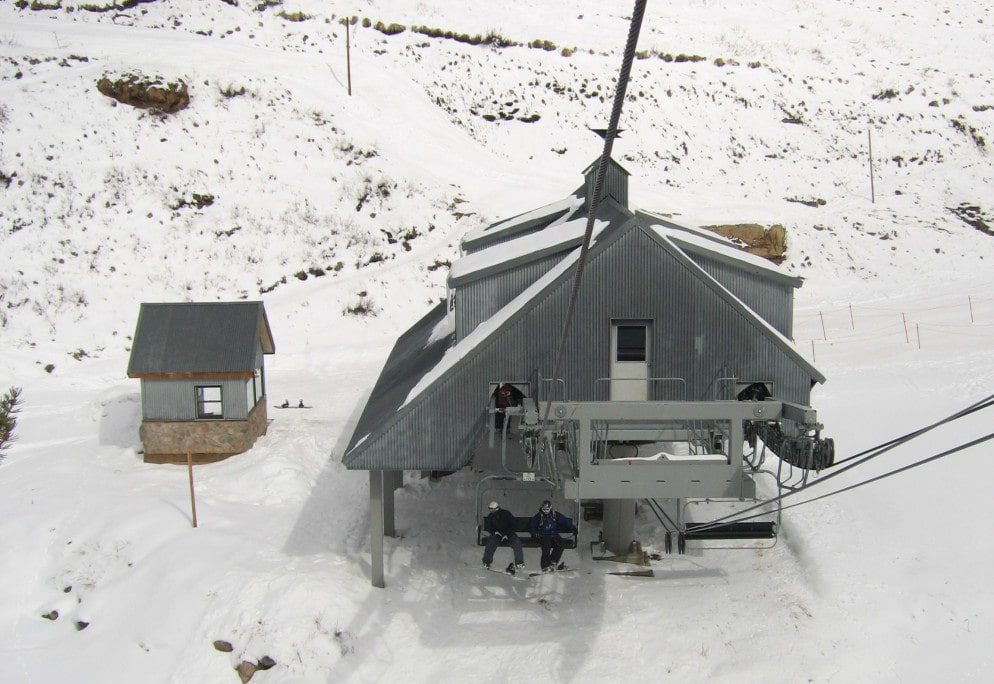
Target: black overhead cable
<point>979,406</point>
<point>866,455</point>
<point>594,202</point>
<point>739,518</point>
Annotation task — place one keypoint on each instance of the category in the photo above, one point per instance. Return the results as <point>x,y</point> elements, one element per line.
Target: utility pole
<point>348,54</point>
<point>869,138</point>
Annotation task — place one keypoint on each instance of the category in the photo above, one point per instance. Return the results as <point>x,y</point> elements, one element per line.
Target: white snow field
<point>321,202</point>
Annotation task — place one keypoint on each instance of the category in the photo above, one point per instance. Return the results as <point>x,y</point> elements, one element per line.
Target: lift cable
<point>866,455</point>
<point>935,457</point>
<point>979,406</point>
<point>594,202</point>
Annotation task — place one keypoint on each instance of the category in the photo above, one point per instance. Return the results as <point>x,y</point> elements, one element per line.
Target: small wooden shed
<point>203,378</point>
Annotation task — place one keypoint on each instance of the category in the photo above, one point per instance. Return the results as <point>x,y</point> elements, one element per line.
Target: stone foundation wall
<point>208,440</point>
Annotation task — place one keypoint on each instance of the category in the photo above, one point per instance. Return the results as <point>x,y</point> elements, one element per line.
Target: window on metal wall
<point>209,404</point>
<point>631,343</point>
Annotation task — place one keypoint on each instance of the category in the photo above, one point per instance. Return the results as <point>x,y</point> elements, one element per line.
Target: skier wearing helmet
<point>546,525</point>
<point>500,524</point>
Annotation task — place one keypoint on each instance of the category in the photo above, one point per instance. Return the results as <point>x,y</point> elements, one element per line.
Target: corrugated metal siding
<point>176,399</point>
<point>615,183</point>
<point>478,301</point>
<point>773,301</point>
<point>698,335</point>
<point>211,337</point>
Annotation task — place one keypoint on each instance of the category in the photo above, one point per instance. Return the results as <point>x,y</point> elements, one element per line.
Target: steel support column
<point>376,528</point>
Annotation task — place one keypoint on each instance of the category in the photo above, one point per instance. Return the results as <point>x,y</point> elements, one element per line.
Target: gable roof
<point>190,339</point>
<point>424,360</point>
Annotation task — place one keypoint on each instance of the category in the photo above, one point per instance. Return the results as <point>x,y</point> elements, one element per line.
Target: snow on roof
<point>711,242</point>
<point>556,237</point>
<point>567,205</point>
<point>483,331</point>
<point>772,332</point>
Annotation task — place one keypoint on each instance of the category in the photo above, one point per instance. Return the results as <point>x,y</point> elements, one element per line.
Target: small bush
<point>885,94</point>
<point>231,91</point>
<point>364,307</point>
<point>10,406</point>
<point>546,45</point>
<point>391,30</point>
<point>293,16</point>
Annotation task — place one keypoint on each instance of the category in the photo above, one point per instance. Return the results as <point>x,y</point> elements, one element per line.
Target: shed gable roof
<point>189,339</point>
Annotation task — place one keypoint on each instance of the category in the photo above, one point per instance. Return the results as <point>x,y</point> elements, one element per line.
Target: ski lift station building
<point>679,351</point>
<point>203,378</point>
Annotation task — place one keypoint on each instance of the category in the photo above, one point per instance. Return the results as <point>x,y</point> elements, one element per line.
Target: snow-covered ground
<point>322,201</point>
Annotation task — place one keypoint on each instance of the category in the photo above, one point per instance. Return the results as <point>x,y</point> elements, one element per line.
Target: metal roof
<point>425,410</point>
<point>188,339</point>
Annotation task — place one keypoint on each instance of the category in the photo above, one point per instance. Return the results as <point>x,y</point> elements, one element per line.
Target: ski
<point>509,571</point>
<point>558,570</point>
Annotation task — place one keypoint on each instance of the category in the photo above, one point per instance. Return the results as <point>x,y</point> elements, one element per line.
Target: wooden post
<point>813,358</point>
<point>918,331</point>
<point>852,320</point>
<point>193,498</point>
<point>869,138</point>
<point>969,298</point>
<point>348,54</point>
<point>904,319</point>
<point>823,333</point>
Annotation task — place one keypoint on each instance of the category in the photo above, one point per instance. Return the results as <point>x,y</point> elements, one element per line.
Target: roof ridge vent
<point>615,182</point>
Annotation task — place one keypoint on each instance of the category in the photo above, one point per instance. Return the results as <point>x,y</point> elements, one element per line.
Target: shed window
<point>631,343</point>
<point>209,402</point>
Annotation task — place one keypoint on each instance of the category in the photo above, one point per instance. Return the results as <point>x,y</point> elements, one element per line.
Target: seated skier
<point>546,525</point>
<point>500,524</point>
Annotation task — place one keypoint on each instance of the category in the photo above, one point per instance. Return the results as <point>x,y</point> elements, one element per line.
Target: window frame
<point>201,402</point>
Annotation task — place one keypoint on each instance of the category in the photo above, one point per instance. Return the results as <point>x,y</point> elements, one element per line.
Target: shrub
<point>391,30</point>
<point>364,307</point>
<point>10,405</point>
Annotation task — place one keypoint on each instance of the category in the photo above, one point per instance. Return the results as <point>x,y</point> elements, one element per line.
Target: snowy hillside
<point>342,212</point>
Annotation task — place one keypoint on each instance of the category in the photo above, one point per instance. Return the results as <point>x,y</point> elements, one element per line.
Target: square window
<point>631,343</point>
<point>209,404</point>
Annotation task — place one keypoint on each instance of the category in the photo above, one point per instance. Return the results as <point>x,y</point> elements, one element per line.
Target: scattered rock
<point>769,243</point>
<point>245,670</point>
<point>52,615</point>
<point>223,646</point>
<point>266,663</point>
<point>81,625</point>
<point>817,202</point>
<point>146,94</point>
<point>974,216</point>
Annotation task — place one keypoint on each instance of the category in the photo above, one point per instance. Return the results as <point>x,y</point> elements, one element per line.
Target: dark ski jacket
<point>549,524</point>
<point>500,521</point>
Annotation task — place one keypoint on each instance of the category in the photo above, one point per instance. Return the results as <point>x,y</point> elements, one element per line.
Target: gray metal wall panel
<point>174,399</point>
<point>615,183</point>
<point>773,301</point>
<point>478,301</point>
<point>697,335</point>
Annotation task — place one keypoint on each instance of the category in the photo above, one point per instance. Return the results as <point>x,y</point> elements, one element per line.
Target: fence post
<point>904,319</point>
<point>193,499</point>
<point>869,139</point>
